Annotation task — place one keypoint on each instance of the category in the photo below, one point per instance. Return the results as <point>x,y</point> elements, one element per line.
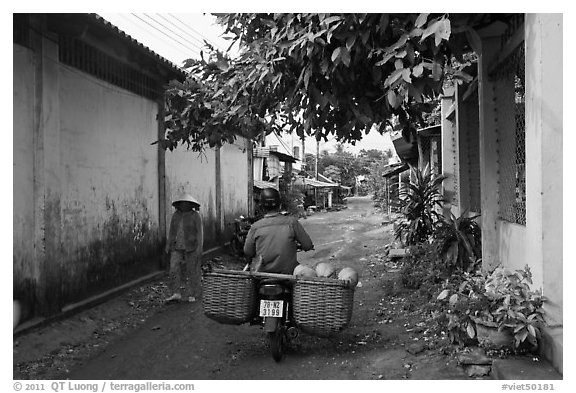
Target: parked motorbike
<point>240,231</point>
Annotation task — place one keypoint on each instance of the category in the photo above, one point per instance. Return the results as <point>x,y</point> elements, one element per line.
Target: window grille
<point>97,63</point>
<point>511,130</point>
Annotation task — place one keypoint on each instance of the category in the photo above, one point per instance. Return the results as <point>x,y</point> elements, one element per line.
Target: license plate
<point>271,308</point>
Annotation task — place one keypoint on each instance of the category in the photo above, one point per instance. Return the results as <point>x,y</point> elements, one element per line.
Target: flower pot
<point>490,338</point>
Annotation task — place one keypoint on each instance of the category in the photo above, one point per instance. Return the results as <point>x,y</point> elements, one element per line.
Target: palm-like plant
<point>459,241</point>
<point>419,200</point>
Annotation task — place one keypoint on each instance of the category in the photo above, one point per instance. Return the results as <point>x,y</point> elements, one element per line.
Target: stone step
<point>524,368</point>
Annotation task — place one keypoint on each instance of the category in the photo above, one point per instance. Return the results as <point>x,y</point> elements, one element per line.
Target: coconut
<point>304,271</point>
<point>349,275</point>
<point>324,269</point>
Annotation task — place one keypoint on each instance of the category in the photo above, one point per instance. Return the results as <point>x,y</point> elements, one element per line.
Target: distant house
<point>92,195</point>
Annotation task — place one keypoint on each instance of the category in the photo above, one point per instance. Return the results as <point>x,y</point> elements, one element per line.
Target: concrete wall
<point>190,172</point>
<point>234,179</point>
<point>85,183</point>
<point>109,179</point>
<point>218,179</point>
<point>544,145</point>
<point>25,271</point>
<point>512,245</point>
<point>91,194</point>
<point>538,244</point>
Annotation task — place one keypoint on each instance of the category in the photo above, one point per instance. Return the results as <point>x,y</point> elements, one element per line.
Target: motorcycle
<point>274,300</point>
<point>275,312</point>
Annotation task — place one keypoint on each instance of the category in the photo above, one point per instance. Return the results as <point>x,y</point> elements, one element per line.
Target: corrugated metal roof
<point>100,20</point>
<point>261,184</point>
<point>316,183</point>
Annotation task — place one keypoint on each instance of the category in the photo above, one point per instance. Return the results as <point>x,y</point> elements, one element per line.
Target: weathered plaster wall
<point>512,249</point>
<point>190,172</point>
<point>234,175</point>
<point>544,169</point>
<point>86,203</point>
<point>109,198</point>
<point>24,269</point>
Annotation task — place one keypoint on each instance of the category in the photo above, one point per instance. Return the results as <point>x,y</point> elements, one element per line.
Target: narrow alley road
<point>179,342</point>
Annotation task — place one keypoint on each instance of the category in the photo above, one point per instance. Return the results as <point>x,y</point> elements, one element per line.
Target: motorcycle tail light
<point>271,290</point>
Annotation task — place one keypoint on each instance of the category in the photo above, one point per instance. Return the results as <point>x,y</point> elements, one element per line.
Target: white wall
<point>234,177</point>
<point>109,176</point>
<point>190,172</point>
<point>544,170</point>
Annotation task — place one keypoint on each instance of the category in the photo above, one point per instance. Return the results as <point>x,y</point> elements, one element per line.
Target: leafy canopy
<point>315,74</point>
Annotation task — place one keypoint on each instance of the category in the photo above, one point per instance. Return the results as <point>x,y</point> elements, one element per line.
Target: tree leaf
<point>392,98</point>
<point>431,29</point>
<point>406,75</point>
<point>331,19</point>
<point>345,56</point>
<point>336,54</point>
<point>470,330</point>
<point>443,295</point>
<point>418,70</point>
<point>421,20</point>
<point>453,299</point>
<point>393,77</point>
<point>442,32</point>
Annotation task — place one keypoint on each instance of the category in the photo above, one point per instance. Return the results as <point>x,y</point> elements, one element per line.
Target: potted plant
<point>505,311</point>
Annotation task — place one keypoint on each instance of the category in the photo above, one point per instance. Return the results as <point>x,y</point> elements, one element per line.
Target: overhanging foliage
<point>317,74</point>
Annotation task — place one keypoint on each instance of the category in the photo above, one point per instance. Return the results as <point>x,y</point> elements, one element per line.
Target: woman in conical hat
<point>185,240</point>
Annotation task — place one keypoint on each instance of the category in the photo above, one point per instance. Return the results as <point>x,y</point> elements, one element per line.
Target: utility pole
<point>303,155</point>
<point>317,155</point>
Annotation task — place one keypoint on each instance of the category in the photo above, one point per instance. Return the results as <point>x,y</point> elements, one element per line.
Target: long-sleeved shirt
<point>185,232</point>
<point>275,239</point>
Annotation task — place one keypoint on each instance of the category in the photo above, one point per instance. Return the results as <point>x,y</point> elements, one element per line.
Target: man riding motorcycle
<point>276,237</point>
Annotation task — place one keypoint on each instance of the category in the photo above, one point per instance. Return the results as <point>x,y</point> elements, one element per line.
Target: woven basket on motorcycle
<point>229,296</point>
<point>322,306</point>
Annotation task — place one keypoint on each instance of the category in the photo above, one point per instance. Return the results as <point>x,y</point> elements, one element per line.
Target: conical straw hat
<point>186,198</point>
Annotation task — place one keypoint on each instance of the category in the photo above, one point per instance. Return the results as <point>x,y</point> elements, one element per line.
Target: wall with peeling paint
<point>88,184</point>
<point>199,174</point>
<point>86,189</point>
<point>24,270</point>
<point>190,172</point>
<point>109,199</point>
<point>234,178</point>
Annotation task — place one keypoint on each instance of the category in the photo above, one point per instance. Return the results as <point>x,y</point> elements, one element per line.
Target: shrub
<point>419,200</point>
<point>502,299</point>
<point>459,242</point>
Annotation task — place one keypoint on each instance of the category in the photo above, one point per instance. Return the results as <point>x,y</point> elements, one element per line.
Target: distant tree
<point>333,172</point>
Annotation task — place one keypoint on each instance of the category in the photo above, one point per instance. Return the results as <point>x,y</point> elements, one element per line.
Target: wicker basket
<point>322,307</point>
<point>229,296</point>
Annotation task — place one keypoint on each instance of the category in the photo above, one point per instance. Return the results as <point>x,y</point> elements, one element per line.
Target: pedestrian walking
<point>185,241</point>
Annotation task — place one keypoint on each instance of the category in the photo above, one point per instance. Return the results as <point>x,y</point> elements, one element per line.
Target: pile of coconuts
<point>326,270</point>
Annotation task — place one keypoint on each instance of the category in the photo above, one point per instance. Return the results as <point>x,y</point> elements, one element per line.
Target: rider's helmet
<point>270,198</point>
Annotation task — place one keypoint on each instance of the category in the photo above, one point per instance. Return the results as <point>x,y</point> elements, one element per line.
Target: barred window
<point>511,128</point>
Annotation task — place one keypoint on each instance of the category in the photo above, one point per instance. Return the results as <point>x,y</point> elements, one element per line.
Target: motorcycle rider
<point>275,237</point>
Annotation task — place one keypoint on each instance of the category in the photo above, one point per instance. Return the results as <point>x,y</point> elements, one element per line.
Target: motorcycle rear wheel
<point>277,343</point>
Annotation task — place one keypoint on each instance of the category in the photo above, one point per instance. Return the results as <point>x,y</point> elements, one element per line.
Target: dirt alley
<point>136,336</point>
